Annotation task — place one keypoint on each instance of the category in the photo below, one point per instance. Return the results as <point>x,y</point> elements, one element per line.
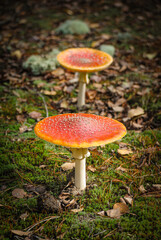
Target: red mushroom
<point>84,60</point>
<point>79,131</point>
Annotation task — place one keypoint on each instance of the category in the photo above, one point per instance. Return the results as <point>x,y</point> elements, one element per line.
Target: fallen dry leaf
<point>19,193</point>
<point>20,118</point>
<point>68,89</point>
<point>43,166</point>
<point>77,210</point>
<point>127,85</point>
<point>92,169</point>
<point>57,88</point>
<point>113,213</point>
<point>17,54</point>
<point>122,200</point>
<point>23,21</point>
<point>16,94</point>
<point>21,233</point>
<point>122,207</point>
<point>73,201</point>
<point>128,199</point>
<point>106,36</point>
<point>120,101</point>
<point>97,85</point>
<point>24,216</point>
<point>123,145</point>
<point>112,89</point>
<point>121,169</point>
<point>50,93</point>
<point>58,72</point>
<point>157,186</point>
<point>94,25</point>
<point>91,94</point>
<point>110,104</point>
<point>137,125</point>
<point>135,112</point>
<point>128,189</point>
<point>64,195</point>
<point>116,212</point>
<point>150,56</point>
<point>142,189</point>
<point>118,108</point>
<point>24,128</point>
<point>123,151</point>
<point>96,78</point>
<point>120,91</point>
<point>67,166</point>
<point>35,115</point>
<point>102,213</point>
<point>96,43</point>
<point>64,104</point>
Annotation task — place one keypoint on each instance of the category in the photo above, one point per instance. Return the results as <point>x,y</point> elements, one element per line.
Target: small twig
<point>156,194</point>
<point>151,175</point>
<point>41,226</point>
<point>43,220</point>
<point>35,92</point>
<point>24,178</point>
<point>46,109</point>
<point>99,233</point>
<point>17,237</point>
<point>151,195</point>
<point>110,233</point>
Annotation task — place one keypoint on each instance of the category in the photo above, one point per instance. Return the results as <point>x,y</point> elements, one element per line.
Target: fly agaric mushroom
<point>84,60</point>
<point>79,131</point>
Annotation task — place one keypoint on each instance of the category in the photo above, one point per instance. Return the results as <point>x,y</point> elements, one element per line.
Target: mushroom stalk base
<point>80,154</point>
<point>83,80</point>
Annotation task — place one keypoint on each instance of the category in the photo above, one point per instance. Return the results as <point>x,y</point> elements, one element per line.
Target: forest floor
<point>37,196</point>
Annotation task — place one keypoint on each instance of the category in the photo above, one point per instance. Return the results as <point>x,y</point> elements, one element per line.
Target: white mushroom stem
<point>83,80</point>
<point>80,154</point>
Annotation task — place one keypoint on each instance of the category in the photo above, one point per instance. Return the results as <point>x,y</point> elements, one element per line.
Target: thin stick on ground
<point>110,233</point>
<point>43,220</point>
<point>43,99</point>
<point>45,105</point>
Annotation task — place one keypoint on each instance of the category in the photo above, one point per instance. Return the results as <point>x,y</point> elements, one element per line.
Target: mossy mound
<point>38,64</point>
<point>108,49</point>
<point>73,27</point>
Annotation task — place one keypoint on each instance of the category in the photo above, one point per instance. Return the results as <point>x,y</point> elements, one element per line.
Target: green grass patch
<point>20,165</point>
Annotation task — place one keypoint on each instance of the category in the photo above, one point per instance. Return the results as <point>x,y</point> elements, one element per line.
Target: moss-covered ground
<point>27,162</point>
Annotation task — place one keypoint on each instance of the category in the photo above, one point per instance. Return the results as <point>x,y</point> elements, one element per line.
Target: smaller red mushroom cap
<point>84,59</point>
<point>79,130</point>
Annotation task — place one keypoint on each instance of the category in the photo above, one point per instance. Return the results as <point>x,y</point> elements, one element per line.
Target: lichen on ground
<point>73,27</point>
<point>40,64</point>
<point>110,49</point>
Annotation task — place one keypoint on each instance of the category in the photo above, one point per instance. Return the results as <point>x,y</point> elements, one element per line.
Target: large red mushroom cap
<point>84,59</point>
<point>79,130</point>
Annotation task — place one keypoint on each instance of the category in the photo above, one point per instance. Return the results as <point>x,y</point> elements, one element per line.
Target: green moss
<point>23,154</point>
<point>31,121</point>
<point>28,155</point>
<point>35,21</point>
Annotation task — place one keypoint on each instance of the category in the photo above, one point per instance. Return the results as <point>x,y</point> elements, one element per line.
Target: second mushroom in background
<point>84,61</point>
